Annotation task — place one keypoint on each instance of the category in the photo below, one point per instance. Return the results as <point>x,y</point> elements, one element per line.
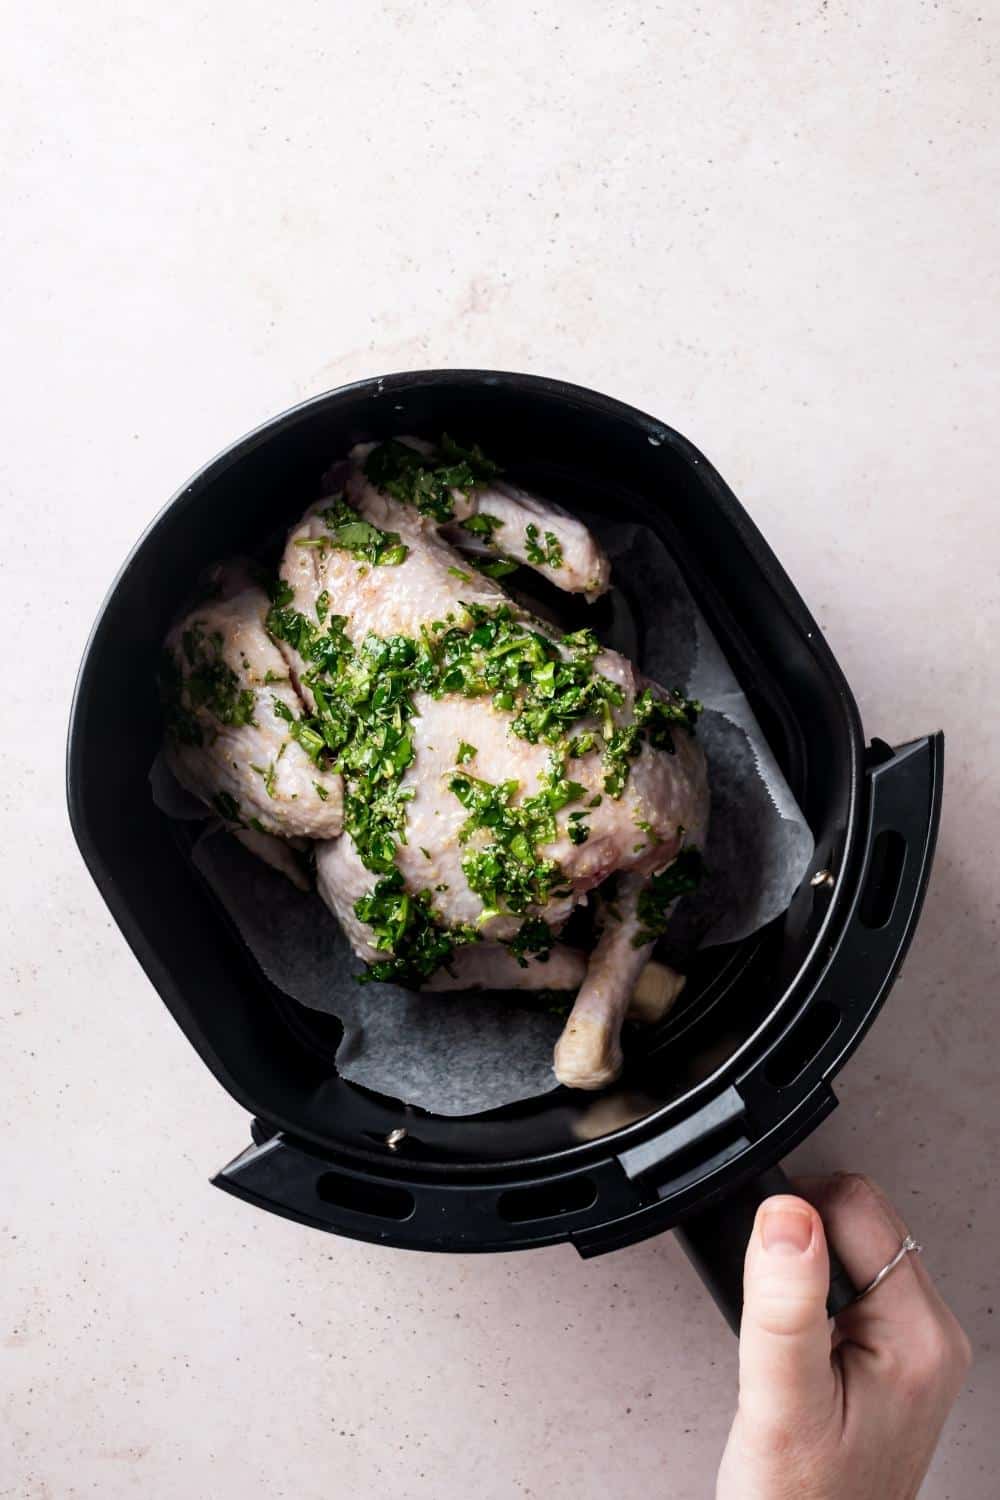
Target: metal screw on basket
<point>822,877</point>
<point>395,1139</point>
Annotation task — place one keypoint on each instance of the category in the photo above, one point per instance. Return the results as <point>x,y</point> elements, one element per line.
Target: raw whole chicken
<point>488,771</point>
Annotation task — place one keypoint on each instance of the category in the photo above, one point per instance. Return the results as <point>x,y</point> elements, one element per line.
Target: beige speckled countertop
<point>776,227</point>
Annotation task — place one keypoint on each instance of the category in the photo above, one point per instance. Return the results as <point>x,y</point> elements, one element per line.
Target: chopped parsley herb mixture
<point>227,807</point>
<point>578,830</point>
<point>495,567</point>
<point>523,671</point>
<point>504,867</point>
<point>482,525</point>
<point>268,773</point>
<point>361,724</point>
<point>405,927</point>
<point>349,532</point>
<point>362,728</point>
<point>203,681</point>
<point>653,720</point>
<point>678,879</point>
<point>428,482</point>
<point>543,552</point>
<point>534,938</point>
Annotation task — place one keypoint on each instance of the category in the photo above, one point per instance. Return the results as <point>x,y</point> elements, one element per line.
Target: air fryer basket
<point>743,1069</point>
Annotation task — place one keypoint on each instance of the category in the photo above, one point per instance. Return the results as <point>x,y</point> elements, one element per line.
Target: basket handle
<point>716,1241</point>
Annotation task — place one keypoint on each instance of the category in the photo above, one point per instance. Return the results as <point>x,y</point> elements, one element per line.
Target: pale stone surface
<point>773,226</point>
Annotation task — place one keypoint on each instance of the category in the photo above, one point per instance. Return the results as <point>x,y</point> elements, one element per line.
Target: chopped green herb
<point>495,567</point>
<point>578,830</point>
<point>523,670</point>
<point>580,744</point>
<point>534,937</point>
<point>272,677</point>
<point>428,482</point>
<point>407,928</point>
<point>482,525</point>
<point>321,791</point>
<point>654,719</point>
<point>227,807</point>
<point>201,680</point>
<point>458,573</point>
<point>365,542</point>
<point>465,752</point>
<point>322,606</point>
<point>506,870</point>
<point>658,716</point>
<point>550,554</point>
<point>360,726</point>
<point>582,644</point>
<point>662,891</point>
<point>268,773</point>
<point>257,825</point>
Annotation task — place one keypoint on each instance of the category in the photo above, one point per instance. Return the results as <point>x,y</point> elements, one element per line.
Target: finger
<point>902,1331</point>
<point>786,1378</point>
<point>867,1231</point>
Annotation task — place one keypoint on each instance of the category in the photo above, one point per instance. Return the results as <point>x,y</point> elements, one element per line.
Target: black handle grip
<point>716,1243</point>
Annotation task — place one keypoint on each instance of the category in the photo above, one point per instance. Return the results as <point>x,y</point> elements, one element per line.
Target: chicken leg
<point>588,1055</point>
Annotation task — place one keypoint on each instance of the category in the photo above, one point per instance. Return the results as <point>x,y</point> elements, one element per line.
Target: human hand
<point>851,1411</point>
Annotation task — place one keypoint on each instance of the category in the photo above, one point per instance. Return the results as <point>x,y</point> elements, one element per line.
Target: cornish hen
<point>520,768</point>
<point>488,770</point>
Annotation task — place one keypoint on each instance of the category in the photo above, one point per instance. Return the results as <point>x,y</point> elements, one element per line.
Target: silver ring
<point>909,1245</point>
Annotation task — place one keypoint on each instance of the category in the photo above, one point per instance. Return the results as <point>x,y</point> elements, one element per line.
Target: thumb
<point>786,1377</point>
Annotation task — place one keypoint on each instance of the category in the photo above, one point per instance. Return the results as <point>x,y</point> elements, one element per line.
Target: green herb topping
<point>361,724</point>
<point>654,720</point>
<point>541,553</point>
<point>268,774</point>
<point>506,871</point>
<point>427,482</point>
<point>533,938</point>
<point>408,929</point>
<point>482,525</point>
<point>548,685</point>
<point>201,680</point>
<point>227,807</point>
<point>361,727</point>
<point>678,879</point>
<point>349,532</point>
<point>495,567</point>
